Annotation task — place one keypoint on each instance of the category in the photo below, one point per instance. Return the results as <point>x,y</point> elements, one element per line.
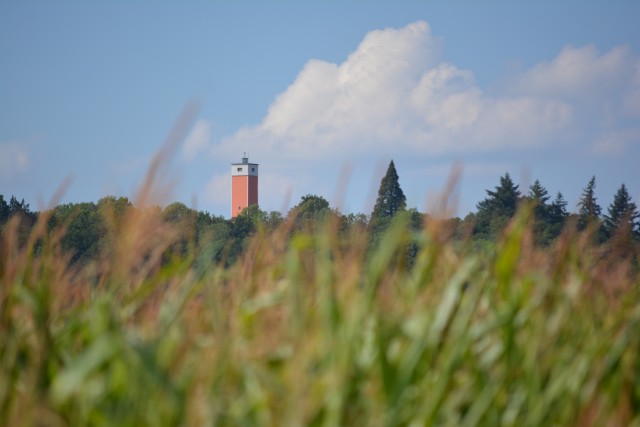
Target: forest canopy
<point>89,227</point>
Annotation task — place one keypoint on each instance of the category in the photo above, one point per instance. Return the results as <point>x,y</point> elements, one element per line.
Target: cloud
<point>14,158</point>
<point>198,141</point>
<point>396,93</point>
<point>396,96</point>
<point>579,73</point>
<point>603,90</point>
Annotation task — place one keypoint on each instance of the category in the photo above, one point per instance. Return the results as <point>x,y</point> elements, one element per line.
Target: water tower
<point>244,185</point>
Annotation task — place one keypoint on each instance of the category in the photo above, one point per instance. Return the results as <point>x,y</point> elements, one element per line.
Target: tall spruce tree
<point>504,200</point>
<point>588,209</point>
<point>554,220</point>
<point>539,195</point>
<point>495,211</point>
<point>558,210</point>
<point>622,216</point>
<point>391,198</point>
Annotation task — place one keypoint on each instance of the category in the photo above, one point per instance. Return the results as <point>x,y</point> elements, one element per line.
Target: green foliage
<point>549,218</point>
<point>273,220</point>
<point>621,226</point>
<point>254,214</point>
<point>90,228</point>
<point>556,218</point>
<point>359,220</point>
<point>179,213</point>
<point>311,211</point>
<point>4,211</point>
<point>390,202</point>
<point>310,329</point>
<point>391,198</point>
<point>539,196</point>
<point>495,211</point>
<point>85,229</point>
<point>20,211</point>
<point>115,209</point>
<point>588,208</point>
<point>184,220</point>
<point>623,216</point>
<point>240,229</point>
<point>19,207</point>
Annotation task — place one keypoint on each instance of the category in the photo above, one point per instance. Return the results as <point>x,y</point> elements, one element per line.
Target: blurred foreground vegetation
<point>314,319</point>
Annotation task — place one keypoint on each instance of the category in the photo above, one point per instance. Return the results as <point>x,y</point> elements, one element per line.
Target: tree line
<point>89,228</point>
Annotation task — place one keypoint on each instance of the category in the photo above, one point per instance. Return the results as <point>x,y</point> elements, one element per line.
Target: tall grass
<point>315,329</point>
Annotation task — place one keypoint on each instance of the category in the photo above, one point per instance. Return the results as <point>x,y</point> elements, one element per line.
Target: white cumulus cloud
<point>580,73</point>
<point>603,90</point>
<point>395,92</point>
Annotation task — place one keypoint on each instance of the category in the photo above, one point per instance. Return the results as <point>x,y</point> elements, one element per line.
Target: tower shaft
<point>244,186</point>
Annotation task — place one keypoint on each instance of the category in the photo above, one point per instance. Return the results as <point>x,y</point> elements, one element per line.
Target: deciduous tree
<point>310,211</point>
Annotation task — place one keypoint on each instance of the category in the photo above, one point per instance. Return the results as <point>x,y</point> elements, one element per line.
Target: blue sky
<point>546,90</point>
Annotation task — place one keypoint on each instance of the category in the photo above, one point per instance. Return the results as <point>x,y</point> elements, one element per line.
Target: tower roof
<point>245,161</point>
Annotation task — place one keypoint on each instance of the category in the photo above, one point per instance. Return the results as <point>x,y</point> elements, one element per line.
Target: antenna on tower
<point>245,159</point>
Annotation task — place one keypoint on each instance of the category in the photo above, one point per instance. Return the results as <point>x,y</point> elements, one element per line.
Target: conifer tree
<point>556,218</point>
<point>622,215</point>
<point>4,210</point>
<point>558,210</point>
<point>18,207</point>
<point>391,198</point>
<point>504,199</point>
<point>497,208</point>
<point>539,195</point>
<point>588,209</point>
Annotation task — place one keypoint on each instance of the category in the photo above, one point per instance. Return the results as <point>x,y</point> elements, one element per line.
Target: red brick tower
<point>244,185</point>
